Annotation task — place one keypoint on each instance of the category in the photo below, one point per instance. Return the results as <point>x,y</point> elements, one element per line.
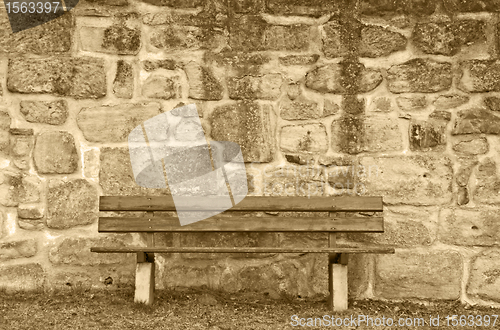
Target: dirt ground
<point>203,309</point>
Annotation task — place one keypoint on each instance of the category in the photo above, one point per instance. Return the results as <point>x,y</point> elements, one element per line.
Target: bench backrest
<point>234,223</point>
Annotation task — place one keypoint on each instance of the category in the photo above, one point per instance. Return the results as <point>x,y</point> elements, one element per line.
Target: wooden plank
<point>250,203</point>
<point>338,249</point>
<point>245,224</point>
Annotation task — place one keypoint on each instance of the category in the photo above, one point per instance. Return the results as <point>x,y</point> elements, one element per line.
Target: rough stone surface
<point>18,188</point>
<point>76,251</point>
<point>267,87</point>
<point>472,146</point>
<point>293,180</point>
<point>299,108</point>
<point>72,203</point>
<point>447,38</point>
<point>475,121</point>
<point>419,75</point>
<point>411,103</point>
<point>313,8</point>
<point>492,102</point>
<point>433,275</point>
<point>53,113</point>
<point>161,87</point>
<point>299,59</point>
<point>123,85</point>
<point>188,130</point>
<point>427,135</point>
<point>440,115</point>
<point>480,76</point>
<point>487,183</point>
<point>287,37</point>
<point>114,123</point>
<point>247,124</point>
<point>186,38</point>
<point>328,79</point>
<point>450,101</point>
<point>21,146</point>
<point>471,5</point>
<point>310,138</point>
<point>203,85</point>
<point>30,211</point>
<point>4,129</point>
<point>415,180</point>
<point>78,77</point>
<point>22,277</point>
<point>484,282</point>
<point>55,152</point>
<point>391,8</point>
<point>116,39</point>
<point>469,227</point>
<point>18,249</point>
<point>48,38</point>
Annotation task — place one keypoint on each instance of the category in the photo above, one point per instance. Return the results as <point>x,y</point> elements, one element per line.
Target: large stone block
<point>267,87</point>
<point>309,138</point>
<point>78,77</point>
<point>158,86</point>
<point>114,123</point>
<point>22,277</point>
<point>419,75</point>
<point>480,76</point>
<point>447,38</point>
<point>51,112</point>
<point>48,38</point>
<point>415,180</point>
<point>76,251</point>
<point>484,282</point>
<point>471,146</point>
<point>299,108</point>
<point>55,153</point>
<point>331,78</point>
<point>26,248</point>
<point>475,121</point>
<point>427,135</point>
<point>287,37</point>
<point>431,275</point>
<point>185,38</point>
<point>469,227</point>
<point>72,203</point>
<point>203,85</point>
<point>450,101</point>
<point>249,125</point>
<point>293,180</point>
<point>116,39</point>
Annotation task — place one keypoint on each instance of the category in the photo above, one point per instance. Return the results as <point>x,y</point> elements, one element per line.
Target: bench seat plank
<point>243,224</point>
<point>338,249</point>
<point>249,203</point>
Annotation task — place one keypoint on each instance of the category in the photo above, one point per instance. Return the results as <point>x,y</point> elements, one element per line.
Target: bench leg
<point>145,278</point>
<point>337,281</point>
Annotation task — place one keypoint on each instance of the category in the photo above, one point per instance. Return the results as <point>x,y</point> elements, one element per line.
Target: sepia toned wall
<point>388,98</point>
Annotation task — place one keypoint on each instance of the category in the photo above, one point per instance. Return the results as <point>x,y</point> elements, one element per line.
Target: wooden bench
<point>338,255</point>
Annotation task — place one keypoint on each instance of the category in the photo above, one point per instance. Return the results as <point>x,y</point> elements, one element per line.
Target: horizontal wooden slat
<point>249,203</point>
<point>375,249</point>
<point>244,224</point>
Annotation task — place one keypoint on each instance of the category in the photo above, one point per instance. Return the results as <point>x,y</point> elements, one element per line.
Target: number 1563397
<point>31,7</point>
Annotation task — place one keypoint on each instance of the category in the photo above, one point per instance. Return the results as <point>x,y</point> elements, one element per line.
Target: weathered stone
<point>487,183</point>
<point>203,85</point>
<point>472,146</point>
<point>109,2</point>
<point>249,125</point>
<point>48,38</point>
<point>383,8</point>
<point>17,188</point>
<point>377,41</point>
<point>55,152</point>
<point>4,129</point>
<point>440,115</point>
<point>161,87</point>
<point>116,39</point>
<point>287,37</point>
<point>341,178</point>
<point>480,76</point>
<point>72,203</point>
<point>381,104</point>
<point>78,77</point>
<point>247,6</point>
<point>432,275</point>
<point>462,196</point>
<point>355,134</point>
<point>178,38</point>
<point>313,8</point>
<point>293,180</point>
<point>123,85</point>
<point>303,159</point>
<point>427,135</point>
<point>21,146</point>
<point>309,138</point>
<point>492,102</point>
<point>450,101</point>
<point>419,75</point>
<point>267,87</point>
<point>175,3</point>
<point>329,79</point>
<point>327,160</point>
<point>117,178</point>
<point>465,170</point>
<point>114,123</point>
<point>299,109</point>
<point>18,249</point>
<point>30,211</point>
<point>471,5</point>
<point>91,163</point>
<point>330,108</point>
<point>52,112</point>
<point>159,64</point>
<point>247,33</point>
<point>189,130</point>
<point>476,121</point>
<point>76,251</point>
<point>404,226</point>
<point>469,227</point>
<point>293,91</point>
<point>484,282</point>
<point>447,38</point>
<point>411,103</point>
<point>415,180</point>
<point>22,277</point>
<point>299,59</point>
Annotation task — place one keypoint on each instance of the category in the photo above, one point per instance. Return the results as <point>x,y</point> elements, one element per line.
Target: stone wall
<point>391,98</point>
